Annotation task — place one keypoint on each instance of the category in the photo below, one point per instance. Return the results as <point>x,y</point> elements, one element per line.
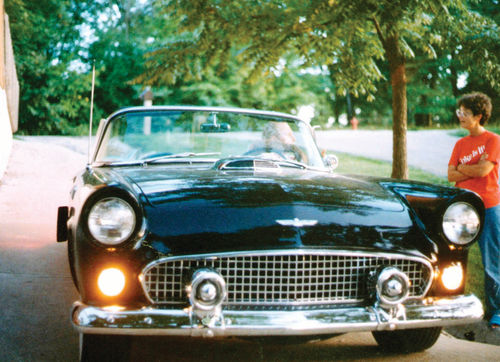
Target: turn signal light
<point>452,276</point>
<point>111,282</point>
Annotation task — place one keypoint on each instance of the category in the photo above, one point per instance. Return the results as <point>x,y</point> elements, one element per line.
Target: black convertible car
<point>214,222</point>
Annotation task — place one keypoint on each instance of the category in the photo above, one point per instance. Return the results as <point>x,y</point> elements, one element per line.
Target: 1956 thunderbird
<point>207,221</point>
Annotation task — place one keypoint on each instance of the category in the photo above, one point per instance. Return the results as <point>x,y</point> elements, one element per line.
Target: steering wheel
<point>288,152</point>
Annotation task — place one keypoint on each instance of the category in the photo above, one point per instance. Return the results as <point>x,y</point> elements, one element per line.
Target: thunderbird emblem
<point>297,223</point>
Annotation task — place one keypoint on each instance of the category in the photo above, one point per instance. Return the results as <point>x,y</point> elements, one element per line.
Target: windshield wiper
<point>159,158</point>
<point>177,155</point>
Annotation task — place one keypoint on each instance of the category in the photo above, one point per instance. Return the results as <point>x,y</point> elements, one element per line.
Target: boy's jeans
<point>489,243</point>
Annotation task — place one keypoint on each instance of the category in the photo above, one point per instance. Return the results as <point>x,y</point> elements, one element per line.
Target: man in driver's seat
<point>278,143</point>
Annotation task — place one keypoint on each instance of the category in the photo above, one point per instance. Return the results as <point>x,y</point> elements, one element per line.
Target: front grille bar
<point>283,277</point>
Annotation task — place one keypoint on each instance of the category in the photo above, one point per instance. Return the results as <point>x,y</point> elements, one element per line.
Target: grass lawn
<point>366,166</point>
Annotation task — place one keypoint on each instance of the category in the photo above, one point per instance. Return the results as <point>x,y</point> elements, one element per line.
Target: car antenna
<point>91,110</point>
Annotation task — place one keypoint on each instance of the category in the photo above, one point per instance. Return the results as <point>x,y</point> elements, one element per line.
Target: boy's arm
<point>456,176</point>
<point>480,169</point>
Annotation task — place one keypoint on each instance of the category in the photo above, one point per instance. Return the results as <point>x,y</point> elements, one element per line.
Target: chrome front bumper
<point>151,321</point>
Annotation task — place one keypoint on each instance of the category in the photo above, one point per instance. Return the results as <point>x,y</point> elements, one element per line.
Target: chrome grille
<point>279,278</point>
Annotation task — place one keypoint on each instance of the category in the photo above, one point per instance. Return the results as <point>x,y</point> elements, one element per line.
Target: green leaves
<point>247,53</point>
<point>45,41</point>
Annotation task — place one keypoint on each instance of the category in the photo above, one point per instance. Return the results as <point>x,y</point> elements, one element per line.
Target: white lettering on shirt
<point>477,152</point>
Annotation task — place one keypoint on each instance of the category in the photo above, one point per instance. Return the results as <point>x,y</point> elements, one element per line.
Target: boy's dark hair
<point>478,103</point>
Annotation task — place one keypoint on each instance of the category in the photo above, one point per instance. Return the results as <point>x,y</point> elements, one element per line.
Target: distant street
<point>36,290</point>
<point>429,150</point>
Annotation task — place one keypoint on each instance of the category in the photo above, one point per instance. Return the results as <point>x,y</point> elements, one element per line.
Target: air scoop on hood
<point>254,163</point>
<point>244,163</point>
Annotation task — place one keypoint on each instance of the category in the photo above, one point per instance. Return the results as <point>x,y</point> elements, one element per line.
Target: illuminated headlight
<point>111,282</point>
<point>111,221</point>
<point>452,276</point>
<point>461,223</point>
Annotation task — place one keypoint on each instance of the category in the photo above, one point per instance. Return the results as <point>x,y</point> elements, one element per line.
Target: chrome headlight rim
<point>449,226</point>
<point>138,228</point>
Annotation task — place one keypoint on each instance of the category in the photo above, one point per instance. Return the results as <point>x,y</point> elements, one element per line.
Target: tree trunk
<point>350,111</point>
<point>397,70</point>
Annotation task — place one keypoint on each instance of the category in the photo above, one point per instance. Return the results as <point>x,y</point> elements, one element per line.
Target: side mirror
<point>331,161</point>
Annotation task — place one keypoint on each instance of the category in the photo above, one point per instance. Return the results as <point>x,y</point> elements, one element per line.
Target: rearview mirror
<point>215,127</point>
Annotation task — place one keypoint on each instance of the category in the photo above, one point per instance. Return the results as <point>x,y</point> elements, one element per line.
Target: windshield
<point>165,135</point>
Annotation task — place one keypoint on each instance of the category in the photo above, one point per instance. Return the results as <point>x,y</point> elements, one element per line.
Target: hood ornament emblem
<point>297,222</point>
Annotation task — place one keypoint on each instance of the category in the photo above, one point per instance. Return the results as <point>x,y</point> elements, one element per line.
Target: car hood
<point>210,211</point>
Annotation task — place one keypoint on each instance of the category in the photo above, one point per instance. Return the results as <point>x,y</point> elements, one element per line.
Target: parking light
<point>111,282</point>
<point>452,276</point>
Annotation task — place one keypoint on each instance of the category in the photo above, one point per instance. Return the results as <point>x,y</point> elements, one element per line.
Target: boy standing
<point>474,165</point>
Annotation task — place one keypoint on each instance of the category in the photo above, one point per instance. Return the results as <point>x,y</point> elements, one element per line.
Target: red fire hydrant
<point>354,123</point>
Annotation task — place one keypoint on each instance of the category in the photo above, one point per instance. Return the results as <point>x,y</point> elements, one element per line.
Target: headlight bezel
<point>123,196</point>
<point>447,230</point>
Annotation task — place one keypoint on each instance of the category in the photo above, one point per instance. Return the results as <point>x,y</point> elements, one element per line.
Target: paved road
<point>36,289</point>
<point>429,150</point>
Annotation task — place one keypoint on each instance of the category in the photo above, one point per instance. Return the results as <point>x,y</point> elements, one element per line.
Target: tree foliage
<point>58,42</point>
<point>266,54</point>
<point>53,98</point>
<point>349,37</point>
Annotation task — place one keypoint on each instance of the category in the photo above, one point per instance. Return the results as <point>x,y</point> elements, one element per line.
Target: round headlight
<point>461,223</point>
<point>111,221</point>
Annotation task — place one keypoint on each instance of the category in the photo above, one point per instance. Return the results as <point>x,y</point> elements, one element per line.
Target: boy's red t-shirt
<point>468,151</point>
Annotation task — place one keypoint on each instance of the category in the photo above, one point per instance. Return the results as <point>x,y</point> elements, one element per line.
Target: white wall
<point>5,133</point>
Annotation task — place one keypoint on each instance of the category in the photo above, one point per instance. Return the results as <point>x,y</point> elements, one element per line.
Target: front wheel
<point>97,347</point>
<point>407,340</point>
